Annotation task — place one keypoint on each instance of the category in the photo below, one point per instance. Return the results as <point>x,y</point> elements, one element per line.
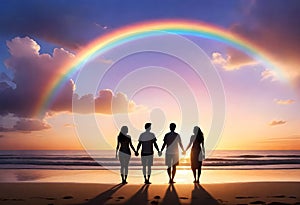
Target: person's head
<point>148,126</point>
<point>124,130</point>
<point>172,126</point>
<point>199,134</point>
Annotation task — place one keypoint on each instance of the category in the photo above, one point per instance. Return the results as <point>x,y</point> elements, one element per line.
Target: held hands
<point>183,152</point>
<point>136,153</point>
<point>159,153</point>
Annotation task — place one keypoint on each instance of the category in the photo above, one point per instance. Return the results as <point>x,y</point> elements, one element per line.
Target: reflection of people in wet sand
<point>147,140</point>
<point>197,152</point>
<point>172,140</point>
<point>124,141</point>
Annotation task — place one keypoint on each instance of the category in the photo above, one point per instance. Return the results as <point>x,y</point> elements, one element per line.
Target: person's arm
<point>163,147</point>
<point>156,146</point>
<point>131,145</point>
<point>181,146</point>
<point>189,145</point>
<point>203,148</point>
<point>138,147</point>
<point>117,148</point>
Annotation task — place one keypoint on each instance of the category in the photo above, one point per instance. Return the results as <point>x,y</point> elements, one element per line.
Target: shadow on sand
<point>198,196</point>
<point>104,196</point>
<point>201,196</point>
<point>140,197</point>
<point>171,196</point>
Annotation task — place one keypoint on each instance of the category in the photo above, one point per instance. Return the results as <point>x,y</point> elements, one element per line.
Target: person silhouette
<point>197,152</point>
<point>124,141</point>
<point>172,140</point>
<point>147,139</point>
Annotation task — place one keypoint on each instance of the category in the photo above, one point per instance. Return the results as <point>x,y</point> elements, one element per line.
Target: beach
<point>88,193</point>
<point>54,178</point>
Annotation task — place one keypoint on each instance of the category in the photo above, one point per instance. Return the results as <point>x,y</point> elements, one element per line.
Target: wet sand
<point>272,193</point>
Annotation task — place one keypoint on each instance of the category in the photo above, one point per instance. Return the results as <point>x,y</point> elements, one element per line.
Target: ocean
<point>103,160</point>
<point>102,167</point>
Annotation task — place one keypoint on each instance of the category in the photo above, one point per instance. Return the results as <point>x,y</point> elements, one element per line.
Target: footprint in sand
<point>278,196</point>
<point>68,197</point>
<point>257,202</point>
<point>157,197</point>
<point>278,203</point>
<point>154,202</point>
<point>292,197</point>
<point>12,199</point>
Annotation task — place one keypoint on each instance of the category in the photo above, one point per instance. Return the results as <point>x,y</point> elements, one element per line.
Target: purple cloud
<point>33,71</point>
<point>27,125</point>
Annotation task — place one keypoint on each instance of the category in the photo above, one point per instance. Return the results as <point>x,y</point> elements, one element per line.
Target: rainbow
<point>144,29</point>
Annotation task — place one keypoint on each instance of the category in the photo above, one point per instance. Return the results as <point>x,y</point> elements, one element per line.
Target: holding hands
<point>159,153</point>
<point>136,153</point>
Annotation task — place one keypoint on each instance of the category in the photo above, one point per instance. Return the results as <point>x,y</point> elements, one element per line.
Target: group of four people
<point>171,141</point>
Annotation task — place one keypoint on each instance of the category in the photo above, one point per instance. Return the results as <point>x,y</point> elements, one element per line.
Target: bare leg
<point>122,173</point>
<point>194,173</point>
<point>149,173</point>
<point>173,173</point>
<point>199,171</point>
<point>169,173</point>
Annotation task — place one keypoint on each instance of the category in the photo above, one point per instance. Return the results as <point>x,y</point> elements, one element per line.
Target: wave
<point>137,162</point>
<point>102,160</point>
<point>265,156</point>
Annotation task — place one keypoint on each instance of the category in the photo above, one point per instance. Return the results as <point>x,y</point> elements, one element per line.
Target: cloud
<point>231,62</point>
<point>268,75</point>
<point>274,28</point>
<point>30,125</point>
<point>106,102</point>
<point>218,59</point>
<point>284,102</point>
<point>69,125</point>
<point>33,71</point>
<point>5,82</point>
<point>277,122</point>
<point>27,125</point>
<point>287,138</point>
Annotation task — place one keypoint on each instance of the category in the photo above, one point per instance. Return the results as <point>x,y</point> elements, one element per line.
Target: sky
<point>261,103</point>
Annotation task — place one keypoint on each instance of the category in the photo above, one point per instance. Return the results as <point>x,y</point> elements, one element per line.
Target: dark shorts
<point>147,160</point>
<point>172,159</point>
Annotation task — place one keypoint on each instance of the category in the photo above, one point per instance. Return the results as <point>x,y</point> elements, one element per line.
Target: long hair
<point>199,134</point>
<point>123,133</point>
